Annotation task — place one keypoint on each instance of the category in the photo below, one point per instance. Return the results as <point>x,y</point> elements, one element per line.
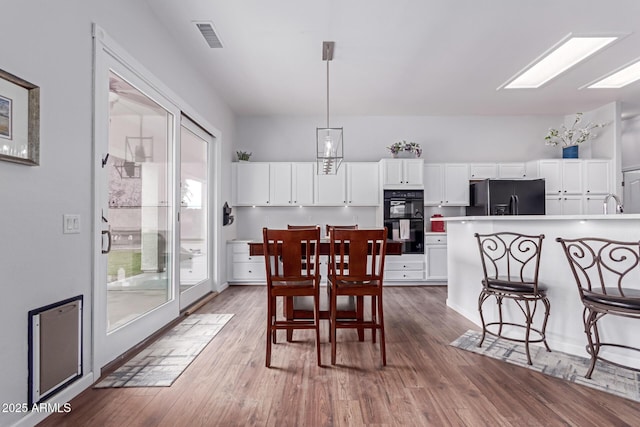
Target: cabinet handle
<point>250,271</point>
<point>559,191</point>
<point>588,191</point>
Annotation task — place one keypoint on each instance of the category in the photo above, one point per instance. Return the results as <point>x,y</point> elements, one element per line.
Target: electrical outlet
<point>71,223</point>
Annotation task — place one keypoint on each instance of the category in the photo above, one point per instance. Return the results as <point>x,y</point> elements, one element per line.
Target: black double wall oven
<point>404,218</point>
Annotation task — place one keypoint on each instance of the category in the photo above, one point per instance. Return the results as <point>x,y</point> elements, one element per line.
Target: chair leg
<point>529,320</point>
<point>360,316</point>
<point>332,326</point>
<point>591,329</point>
<point>499,301</point>
<point>481,300</point>
<point>288,309</point>
<point>316,315</point>
<point>269,331</point>
<point>374,318</point>
<point>547,311</point>
<point>383,349</point>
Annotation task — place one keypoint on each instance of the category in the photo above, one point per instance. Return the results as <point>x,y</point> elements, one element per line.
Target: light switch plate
<point>71,223</point>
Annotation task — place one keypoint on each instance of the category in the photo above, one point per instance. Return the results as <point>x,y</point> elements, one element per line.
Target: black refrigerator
<point>506,197</point>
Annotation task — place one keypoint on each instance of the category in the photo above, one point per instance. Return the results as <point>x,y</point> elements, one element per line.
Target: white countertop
<point>542,217</point>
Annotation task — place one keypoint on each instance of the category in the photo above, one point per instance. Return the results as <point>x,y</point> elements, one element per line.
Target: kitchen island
<point>565,330</point>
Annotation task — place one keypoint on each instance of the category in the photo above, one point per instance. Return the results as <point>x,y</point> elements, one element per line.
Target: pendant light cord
<point>327,87</point>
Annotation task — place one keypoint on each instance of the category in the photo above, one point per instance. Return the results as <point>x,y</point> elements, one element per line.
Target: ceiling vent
<point>209,34</point>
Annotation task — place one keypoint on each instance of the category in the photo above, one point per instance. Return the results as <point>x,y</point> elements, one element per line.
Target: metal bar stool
<point>510,262</point>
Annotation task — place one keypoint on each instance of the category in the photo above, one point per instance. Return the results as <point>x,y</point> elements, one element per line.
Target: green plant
<point>243,155</point>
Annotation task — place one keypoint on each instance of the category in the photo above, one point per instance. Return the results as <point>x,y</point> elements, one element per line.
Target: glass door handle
<point>108,233</point>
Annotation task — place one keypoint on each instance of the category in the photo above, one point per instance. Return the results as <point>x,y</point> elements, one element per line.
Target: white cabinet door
<point>436,258</point>
<point>553,205</point>
<point>596,177</point>
<point>413,169</point>
<point>363,188</point>
<point>572,205</point>
<point>512,171</point>
<point>483,171</point>
<point>572,176</point>
<point>594,205</point>
<point>330,190</point>
<point>433,184</point>
<point>551,171</point>
<point>392,172</point>
<point>302,183</point>
<point>456,184</point>
<point>280,184</point>
<point>252,184</point>
<point>402,173</point>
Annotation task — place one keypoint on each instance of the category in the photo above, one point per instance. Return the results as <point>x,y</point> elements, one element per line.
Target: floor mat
<point>606,377</point>
<point>162,362</point>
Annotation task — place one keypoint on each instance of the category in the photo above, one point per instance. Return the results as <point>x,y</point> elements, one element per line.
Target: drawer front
<point>240,248</point>
<point>247,258</point>
<point>434,239</point>
<point>403,266</point>
<point>249,271</point>
<point>403,275</point>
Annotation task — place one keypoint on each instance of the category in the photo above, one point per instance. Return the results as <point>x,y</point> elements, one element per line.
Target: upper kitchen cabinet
<point>561,176</point>
<point>355,184</point>
<point>512,171</point>
<point>252,183</point>
<point>446,184</point>
<point>363,184</point>
<point>483,171</point>
<point>402,173</point>
<point>478,171</point>
<point>273,184</point>
<point>291,184</point>
<point>331,190</point>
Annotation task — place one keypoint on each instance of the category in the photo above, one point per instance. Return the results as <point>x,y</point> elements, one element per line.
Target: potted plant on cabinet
<point>571,137</point>
<point>243,156</point>
<point>405,149</point>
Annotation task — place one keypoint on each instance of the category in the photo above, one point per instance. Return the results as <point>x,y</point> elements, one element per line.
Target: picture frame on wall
<point>19,120</point>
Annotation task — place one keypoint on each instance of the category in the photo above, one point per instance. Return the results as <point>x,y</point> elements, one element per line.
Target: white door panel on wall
<point>631,192</point>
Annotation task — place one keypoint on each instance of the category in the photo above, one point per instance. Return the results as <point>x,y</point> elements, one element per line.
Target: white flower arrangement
<point>410,147</point>
<point>572,136</point>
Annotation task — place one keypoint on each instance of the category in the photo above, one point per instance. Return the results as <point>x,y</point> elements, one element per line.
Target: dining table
<point>394,247</point>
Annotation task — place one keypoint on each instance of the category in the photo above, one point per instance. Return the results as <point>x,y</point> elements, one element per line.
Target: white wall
<point>49,44</point>
<point>443,138</point>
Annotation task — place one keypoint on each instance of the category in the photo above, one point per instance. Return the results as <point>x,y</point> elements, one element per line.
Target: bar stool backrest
<point>511,257</point>
<point>605,267</point>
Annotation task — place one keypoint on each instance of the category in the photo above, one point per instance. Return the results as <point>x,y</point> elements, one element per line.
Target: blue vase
<point>570,152</point>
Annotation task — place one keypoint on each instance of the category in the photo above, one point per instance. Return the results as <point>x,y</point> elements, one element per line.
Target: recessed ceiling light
<point>564,55</point>
<point>619,78</point>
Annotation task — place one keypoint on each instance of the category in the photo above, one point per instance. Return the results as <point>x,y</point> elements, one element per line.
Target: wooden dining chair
<point>361,277</point>
<point>292,269</point>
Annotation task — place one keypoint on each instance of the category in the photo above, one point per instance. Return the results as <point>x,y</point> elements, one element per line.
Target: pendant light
<point>328,140</point>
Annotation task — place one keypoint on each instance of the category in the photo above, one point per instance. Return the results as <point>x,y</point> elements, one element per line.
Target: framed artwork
<point>19,120</point>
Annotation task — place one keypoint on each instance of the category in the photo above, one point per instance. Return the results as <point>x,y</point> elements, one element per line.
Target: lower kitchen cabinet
<point>404,268</point>
<point>242,267</point>
<point>435,247</point>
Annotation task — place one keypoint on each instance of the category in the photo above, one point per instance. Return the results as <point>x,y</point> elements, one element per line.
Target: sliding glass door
<point>195,235</point>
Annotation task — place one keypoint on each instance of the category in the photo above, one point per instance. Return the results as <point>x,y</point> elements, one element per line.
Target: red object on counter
<point>437,226</point>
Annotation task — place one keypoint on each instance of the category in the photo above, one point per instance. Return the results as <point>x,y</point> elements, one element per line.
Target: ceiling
<point>401,57</point>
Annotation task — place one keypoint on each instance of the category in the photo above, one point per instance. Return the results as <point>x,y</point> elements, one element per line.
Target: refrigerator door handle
<point>517,202</point>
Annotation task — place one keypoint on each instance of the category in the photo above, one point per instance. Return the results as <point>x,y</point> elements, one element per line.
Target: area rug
<point>606,377</point>
<point>162,362</point>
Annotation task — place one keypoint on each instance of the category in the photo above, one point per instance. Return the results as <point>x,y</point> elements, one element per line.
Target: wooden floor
<point>426,381</point>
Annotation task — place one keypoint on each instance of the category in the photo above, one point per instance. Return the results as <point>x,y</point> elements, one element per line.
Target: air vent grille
<point>209,34</point>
